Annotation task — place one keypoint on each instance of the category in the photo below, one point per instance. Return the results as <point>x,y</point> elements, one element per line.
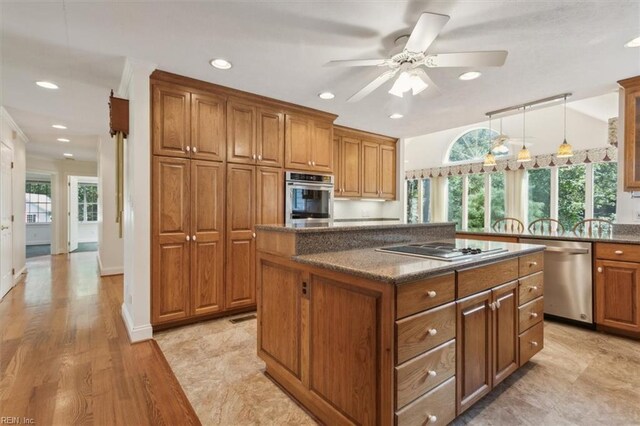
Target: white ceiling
<point>278,49</point>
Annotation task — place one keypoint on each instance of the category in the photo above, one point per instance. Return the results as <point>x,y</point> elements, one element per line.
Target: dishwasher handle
<point>567,250</point>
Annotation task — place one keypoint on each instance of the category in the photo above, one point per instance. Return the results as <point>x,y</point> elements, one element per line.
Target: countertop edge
<point>619,239</point>
<point>312,230</point>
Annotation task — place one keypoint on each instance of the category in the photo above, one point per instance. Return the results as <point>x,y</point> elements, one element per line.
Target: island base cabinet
<point>433,408</point>
<point>618,295</point>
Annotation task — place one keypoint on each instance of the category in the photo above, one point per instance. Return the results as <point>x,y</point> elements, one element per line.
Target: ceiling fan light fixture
<point>401,85</point>
<point>500,148</point>
<point>417,85</point>
<point>471,75</point>
<point>221,64</point>
<point>633,43</point>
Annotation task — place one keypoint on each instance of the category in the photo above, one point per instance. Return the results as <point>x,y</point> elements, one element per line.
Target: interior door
<point>6,237</point>
<point>72,229</point>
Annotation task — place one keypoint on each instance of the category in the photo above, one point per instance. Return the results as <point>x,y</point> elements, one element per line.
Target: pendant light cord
<point>524,109</point>
<point>565,119</point>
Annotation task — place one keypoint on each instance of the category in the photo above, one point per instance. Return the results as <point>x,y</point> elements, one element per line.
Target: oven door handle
<point>566,250</point>
<point>309,186</point>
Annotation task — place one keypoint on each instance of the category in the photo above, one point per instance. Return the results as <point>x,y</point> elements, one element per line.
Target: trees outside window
<point>605,182</point>
<point>454,195</point>
<point>87,202</point>
<point>571,195</point>
<point>426,200</point>
<point>472,146</point>
<point>418,200</point>
<point>475,200</point>
<point>412,201</point>
<point>498,201</point>
<point>539,194</point>
<point>37,202</point>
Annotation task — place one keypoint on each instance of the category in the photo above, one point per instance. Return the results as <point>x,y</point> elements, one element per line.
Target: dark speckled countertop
<point>624,238</point>
<point>397,269</point>
<point>350,226</point>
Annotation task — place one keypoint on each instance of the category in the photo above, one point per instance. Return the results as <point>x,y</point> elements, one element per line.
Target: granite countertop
<point>567,236</point>
<point>397,269</point>
<point>348,226</point>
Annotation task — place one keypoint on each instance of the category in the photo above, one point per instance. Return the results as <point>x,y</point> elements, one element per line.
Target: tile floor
<point>581,378</point>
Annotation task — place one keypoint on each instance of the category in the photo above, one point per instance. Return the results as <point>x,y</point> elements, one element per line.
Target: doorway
<point>82,212</point>
<point>39,206</point>
<point>6,219</point>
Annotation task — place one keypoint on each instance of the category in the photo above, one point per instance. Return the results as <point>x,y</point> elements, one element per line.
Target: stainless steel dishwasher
<point>568,285</point>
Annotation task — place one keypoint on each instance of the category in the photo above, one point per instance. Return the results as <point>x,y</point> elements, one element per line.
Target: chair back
<point>593,228</point>
<point>509,225</point>
<point>545,226</point>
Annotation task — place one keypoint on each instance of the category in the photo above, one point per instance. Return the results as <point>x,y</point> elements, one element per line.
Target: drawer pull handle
<point>533,263</point>
<point>533,288</point>
<point>431,293</point>
<point>432,373</point>
<point>599,268</point>
<point>534,343</point>
<point>618,252</point>
<point>534,315</point>
<point>432,419</point>
<point>432,332</point>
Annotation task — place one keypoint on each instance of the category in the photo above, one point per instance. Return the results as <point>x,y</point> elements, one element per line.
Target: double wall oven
<point>308,198</point>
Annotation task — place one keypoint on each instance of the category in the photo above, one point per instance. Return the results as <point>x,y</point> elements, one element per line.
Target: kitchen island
<point>360,336</point>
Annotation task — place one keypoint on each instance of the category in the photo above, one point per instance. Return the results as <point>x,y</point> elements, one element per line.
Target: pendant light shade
<point>524,155</point>
<point>565,150</point>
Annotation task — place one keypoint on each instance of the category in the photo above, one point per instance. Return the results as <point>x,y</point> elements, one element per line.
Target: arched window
<point>472,145</point>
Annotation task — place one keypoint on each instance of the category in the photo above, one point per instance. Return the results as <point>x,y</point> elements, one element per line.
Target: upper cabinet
<point>631,133</point>
<point>270,137</point>
<point>365,165</point>
<point>241,132</point>
<point>308,143</point>
<point>208,127</point>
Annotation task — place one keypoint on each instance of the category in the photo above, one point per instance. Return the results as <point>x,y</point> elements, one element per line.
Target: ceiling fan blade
<point>493,58</point>
<point>379,81</point>
<point>357,63</point>
<point>425,32</point>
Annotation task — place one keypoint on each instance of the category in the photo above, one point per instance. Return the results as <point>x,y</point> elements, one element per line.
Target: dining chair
<point>545,226</point>
<point>508,224</point>
<point>593,228</point>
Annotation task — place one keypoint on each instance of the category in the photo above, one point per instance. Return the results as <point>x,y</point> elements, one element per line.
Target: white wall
<point>110,247</point>
<point>38,233</point>
<point>60,170</point>
<point>87,232</point>
<point>11,135</point>
<point>627,209</point>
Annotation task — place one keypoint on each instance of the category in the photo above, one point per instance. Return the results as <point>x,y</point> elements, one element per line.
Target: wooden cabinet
<point>505,331</point>
<point>631,133</point>
<point>348,167</point>
<point>618,295</point>
<point>187,243</point>
<point>370,165</point>
<point>269,196</point>
<point>208,127</point>
<point>387,172</point>
<point>308,144</point>
<point>270,137</point>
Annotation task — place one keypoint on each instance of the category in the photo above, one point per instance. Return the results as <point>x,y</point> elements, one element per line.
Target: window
<point>605,182</point>
<point>87,202</point>
<point>426,200</point>
<point>571,195</point>
<point>418,200</point>
<point>412,201</point>
<point>472,145</point>
<point>475,201</point>
<point>539,194</point>
<point>37,201</point>
<point>454,197</point>
<point>498,200</point>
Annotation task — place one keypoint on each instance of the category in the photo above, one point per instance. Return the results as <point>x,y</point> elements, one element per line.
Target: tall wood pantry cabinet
<point>631,88</point>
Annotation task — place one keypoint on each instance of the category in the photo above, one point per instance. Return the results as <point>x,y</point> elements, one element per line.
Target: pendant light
<point>524,155</point>
<point>565,150</point>
<point>489,159</point>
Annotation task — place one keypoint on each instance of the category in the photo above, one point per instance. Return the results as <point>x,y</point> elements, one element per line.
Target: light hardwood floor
<point>65,357</point>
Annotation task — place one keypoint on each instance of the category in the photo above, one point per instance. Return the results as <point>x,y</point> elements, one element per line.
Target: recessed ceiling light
<point>633,43</point>
<point>66,154</point>
<point>63,140</point>
<point>326,95</point>
<point>396,116</point>
<point>221,64</point>
<point>59,126</point>
<point>47,84</point>
<point>471,75</point>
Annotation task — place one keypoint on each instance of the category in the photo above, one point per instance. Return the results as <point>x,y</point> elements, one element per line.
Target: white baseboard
<point>18,275</point>
<point>114,270</point>
<point>136,334</point>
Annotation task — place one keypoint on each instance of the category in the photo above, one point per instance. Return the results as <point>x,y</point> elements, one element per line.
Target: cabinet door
<point>351,167</point>
<point>297,147</point>
<point>270,196</point>
<point>337,166</point>
<point>322,147</point>
<point>279,308</point>
<point>171,116</point>
<point>473,350</point>
<point>370,165</point>
<point>631,133</point>
<point>505,331</point>
<point>207,228</point>
<point>208,127</point>
<point>170,229</point>
<point>241,132</point>
<point>270,141</point>
<point>387,172</point>
<point>618,295</point>
<point>240,271</point>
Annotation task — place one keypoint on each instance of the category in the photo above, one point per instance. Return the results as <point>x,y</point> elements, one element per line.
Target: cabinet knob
<point>308,163</point>
<point>618,252</point>
<point>195,149</point>
<point>492,306</point>
<point>253,157</point>
<point>432,373</point>
<point>498,304</point>
<point>431,293</point>
<point>533,263</point>
<point>533,288</point>
<point>432,332</point>
<point>534,343</point>
<point>432,419</point>
<point>313,163</point>
<point>599,268</point>
<point>188,148</point>
<point>188,238</point>
<point>253,235</point>
<point>260,157</point>
<point>534,315</point>
<point>193,238</point>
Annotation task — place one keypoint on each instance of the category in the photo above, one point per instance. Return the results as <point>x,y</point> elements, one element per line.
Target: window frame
<point>420,200</point>
<point>464,225</point>
<point>447,153</point>
<point>48,212</point>
<point>84,203</point>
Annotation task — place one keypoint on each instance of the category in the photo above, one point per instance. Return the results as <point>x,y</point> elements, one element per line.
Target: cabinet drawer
<point>422,295</point>
<point>424,331</point>
<point>474,280</point>
<point>625,252</point>
<point>436,407</point>
<point>531,342</point>
<point>531,313</point>
<point>531,263</point>
<point>425,372</point>
<point>530,287</point>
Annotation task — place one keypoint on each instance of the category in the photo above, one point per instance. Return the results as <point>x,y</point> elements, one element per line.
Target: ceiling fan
<point>408,63</point>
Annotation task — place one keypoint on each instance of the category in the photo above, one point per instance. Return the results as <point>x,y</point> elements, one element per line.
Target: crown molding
<point>14,126</point>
